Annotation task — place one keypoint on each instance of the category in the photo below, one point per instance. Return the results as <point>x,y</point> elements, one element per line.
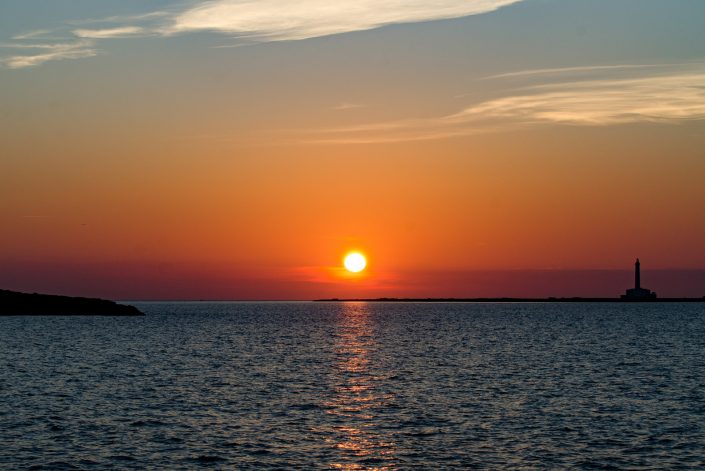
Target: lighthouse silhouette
<point>638,293</point>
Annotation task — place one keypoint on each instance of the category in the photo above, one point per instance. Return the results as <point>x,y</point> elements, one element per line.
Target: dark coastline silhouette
<point>515,300</point>
<point>13,303</point>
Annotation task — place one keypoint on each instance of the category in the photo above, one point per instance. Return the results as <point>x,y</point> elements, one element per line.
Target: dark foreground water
<point>357,386</point>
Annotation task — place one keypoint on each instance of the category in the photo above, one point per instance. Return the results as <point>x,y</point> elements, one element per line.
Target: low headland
<point>13,303</point>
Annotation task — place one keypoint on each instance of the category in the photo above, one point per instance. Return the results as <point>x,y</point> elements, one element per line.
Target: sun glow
<point>355,262</point>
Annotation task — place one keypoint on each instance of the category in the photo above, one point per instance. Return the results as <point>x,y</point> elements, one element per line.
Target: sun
<point>355,262</point>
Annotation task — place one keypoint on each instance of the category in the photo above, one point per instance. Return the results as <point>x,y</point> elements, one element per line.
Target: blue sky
<point>446,50</point>
<point>558,30</point>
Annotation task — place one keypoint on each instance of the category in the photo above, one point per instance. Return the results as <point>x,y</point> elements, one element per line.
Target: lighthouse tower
<point>638,293</point>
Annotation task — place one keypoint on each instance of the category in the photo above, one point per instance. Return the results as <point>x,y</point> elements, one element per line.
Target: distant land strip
<point>514,300</point>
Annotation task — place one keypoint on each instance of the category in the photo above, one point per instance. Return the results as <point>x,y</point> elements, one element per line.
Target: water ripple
<point>356,386</point>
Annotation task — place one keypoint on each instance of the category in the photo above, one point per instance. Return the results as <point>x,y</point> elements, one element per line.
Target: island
<point>13,303</point>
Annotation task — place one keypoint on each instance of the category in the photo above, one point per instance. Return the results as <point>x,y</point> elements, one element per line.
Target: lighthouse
<point>638,293</point>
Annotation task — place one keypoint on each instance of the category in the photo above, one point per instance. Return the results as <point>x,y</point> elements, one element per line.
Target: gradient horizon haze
<point>238,150</point>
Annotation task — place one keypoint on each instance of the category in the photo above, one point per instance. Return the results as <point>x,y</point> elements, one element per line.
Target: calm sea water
<point>357,386</point>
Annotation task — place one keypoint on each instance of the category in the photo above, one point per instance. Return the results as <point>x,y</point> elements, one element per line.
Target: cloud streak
<point>280,20</point>
<point>348,106</point>
<point>256,21</point>
<point>48,52</point>
<point>33,34</point>
<point>107,33</point>
<point>668,97</point>
<point>603,102</point>
<point>576,70</point>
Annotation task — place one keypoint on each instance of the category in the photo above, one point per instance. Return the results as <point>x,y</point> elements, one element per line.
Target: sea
<point>353,386</point>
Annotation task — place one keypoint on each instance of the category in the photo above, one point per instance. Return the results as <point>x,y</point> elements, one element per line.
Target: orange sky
<point>287,218</point>
<point>170,168</point>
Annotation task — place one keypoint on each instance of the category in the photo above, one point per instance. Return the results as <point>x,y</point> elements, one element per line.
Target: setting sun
<point>355,262</point>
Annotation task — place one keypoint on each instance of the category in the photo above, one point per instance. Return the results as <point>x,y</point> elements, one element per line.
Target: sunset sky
<point>236,149</point>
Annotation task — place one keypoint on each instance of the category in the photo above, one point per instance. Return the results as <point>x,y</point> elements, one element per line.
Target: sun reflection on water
<point>356,397</point>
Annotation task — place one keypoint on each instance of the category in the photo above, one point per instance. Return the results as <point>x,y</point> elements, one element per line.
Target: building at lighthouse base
<point>639,293</point>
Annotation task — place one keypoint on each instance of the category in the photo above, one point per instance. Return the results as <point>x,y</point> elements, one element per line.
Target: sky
<point>234,149</point>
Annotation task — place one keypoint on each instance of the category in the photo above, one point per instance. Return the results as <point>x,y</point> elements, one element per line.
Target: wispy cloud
<point>106,33</point>
<point>277,20</point>
<point>576,70</point>
<point>259,21</point>
<point>599,102</point>
<point>33,34</point>
<point>48,52</point>
<point>117,19</point>
<point>666,97</point>
<point>348,106</point>
<point>62,43</point>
